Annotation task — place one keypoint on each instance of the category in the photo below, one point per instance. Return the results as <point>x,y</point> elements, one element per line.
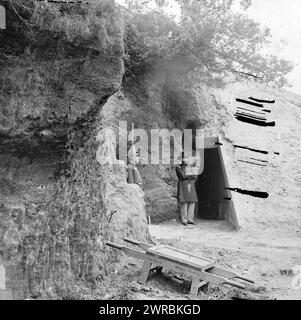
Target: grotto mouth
<point>210,188</point>
<point>214,200</point>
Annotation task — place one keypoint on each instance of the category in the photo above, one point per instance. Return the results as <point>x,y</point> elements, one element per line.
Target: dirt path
<point>267,257</point>
<point>262,256</point>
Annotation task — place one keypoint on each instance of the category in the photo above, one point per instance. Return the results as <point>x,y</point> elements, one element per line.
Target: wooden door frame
<point>231,215</point>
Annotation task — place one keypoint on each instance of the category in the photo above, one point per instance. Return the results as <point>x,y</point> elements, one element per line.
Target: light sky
<point>283,17</point>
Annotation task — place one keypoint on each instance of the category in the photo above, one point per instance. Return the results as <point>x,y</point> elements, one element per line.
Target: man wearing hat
<point>186,193</point>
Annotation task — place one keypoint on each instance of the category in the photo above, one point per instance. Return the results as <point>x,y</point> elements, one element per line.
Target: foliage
<point>210,36</point>
<point>76,22</point>
<point>36,23</point>
<point>147,38</point>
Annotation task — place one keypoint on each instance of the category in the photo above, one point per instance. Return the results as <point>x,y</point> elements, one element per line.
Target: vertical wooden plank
<point>194,289</point>
<point>231,212</point>
<point>145,271</point>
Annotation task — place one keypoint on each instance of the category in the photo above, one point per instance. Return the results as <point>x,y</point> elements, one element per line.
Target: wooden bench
<point>202,271</point>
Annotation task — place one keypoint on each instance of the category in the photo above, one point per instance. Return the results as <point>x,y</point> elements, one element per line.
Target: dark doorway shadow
<point>214,201</point>
<point>210,187</point>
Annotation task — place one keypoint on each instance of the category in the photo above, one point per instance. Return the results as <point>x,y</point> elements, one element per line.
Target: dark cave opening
<point>215,202</point>
<point>210,187</point>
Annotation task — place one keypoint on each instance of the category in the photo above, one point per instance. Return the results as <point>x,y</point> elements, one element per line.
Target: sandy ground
<point>261,258</point>
<point>268,259</point>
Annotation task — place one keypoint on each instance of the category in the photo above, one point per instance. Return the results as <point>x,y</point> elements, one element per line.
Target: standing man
<point>134,176</point>
<point>186,194</point>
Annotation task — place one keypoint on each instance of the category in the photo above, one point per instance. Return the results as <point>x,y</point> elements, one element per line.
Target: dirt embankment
<point>57,73</point>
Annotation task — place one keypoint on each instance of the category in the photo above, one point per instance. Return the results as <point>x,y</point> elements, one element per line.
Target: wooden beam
<point>262,113</point>
<point>249,102</point>
<point>231,212</point>
<point>262,101</point>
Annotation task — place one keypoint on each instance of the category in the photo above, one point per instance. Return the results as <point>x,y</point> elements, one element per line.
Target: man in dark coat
<point>186,195</point>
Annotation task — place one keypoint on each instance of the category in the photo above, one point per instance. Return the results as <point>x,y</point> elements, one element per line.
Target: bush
<point>210,36</point>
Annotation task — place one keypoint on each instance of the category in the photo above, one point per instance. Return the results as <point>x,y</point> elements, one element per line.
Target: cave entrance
<point>215,202</point>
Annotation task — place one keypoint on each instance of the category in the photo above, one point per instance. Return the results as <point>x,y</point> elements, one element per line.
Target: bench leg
<point>195,285</point>
<point>145,271</point>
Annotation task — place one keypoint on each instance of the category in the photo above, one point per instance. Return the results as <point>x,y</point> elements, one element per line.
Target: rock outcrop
<point>56,200</point>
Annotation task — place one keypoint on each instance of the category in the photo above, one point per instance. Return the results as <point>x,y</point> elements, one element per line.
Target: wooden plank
<point>194,288</point>
<point>181,257</point>
<point>231,212</point>
<point>250,149</point>
<point>261,100</point>
<point>222,272</point>
<point>215,279</point>
<point>228,274</point>
<point>249,115</point>
<point>128,251</point>
<point>142,245</point>
<point>245,109</point>
<point>254,163</point>
<point>191,255</point>
<point>164,248</point>
<point>145,271</point>
<point>259,105</point>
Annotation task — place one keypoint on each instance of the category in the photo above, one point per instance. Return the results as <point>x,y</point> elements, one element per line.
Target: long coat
<point>184,194</point>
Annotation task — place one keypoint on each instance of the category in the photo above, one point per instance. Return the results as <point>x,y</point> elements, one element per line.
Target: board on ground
<point>180,257</point>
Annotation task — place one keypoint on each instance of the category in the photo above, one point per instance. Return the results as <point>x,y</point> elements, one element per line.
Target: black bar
<point>256,164</point>
<point>66,2</point>
<point>250,102</point>
<point>257,194</point>
<point>259,160</point>
<point>251,149</point>
<point>114,245</point>
<point>250,110</point>
<point>244,114</point>
<point>255,122</point>
<point>131,241</point>
<point>262,101</point>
